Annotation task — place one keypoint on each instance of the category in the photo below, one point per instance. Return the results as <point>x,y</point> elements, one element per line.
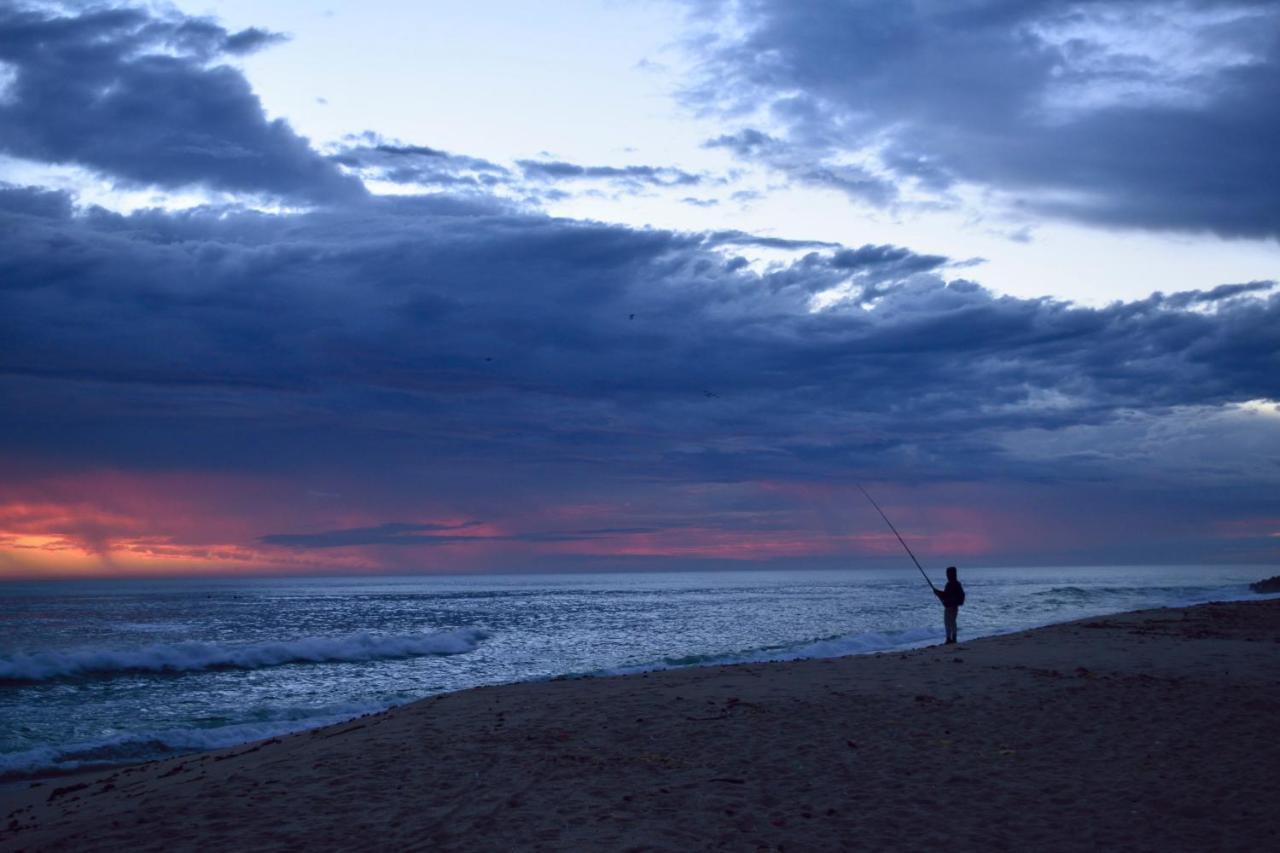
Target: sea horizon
<point>935,572</point>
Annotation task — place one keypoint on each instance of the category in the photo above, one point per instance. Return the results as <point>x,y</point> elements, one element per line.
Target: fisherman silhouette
<point>951,596</point>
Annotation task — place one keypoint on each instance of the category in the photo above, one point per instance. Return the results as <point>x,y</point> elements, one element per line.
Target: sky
<point>407,287</point>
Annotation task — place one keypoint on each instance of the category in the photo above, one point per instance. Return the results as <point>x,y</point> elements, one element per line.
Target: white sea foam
<point>826,647</point>
<point>882,641</point>
<point>193,656</point>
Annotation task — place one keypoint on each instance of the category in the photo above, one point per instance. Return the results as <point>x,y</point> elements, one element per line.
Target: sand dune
<point>1151,730</point>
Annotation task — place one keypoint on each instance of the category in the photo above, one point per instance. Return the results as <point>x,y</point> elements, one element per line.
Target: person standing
<point>951,596</point>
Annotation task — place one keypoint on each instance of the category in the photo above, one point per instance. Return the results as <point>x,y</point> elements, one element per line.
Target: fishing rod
<point>896,533</point>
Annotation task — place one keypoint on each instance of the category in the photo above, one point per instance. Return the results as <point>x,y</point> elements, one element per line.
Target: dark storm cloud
<point>897,258</point>
<point>141,99</point>
<point>1155,115</point>
<point>440,341</point>
<point>1222,291</point>
<point>33,201</point>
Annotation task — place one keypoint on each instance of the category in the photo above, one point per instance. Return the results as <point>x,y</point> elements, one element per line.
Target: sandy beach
<point>1149,730</point>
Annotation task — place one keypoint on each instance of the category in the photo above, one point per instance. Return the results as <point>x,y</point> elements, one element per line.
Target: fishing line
<point>896,533</point>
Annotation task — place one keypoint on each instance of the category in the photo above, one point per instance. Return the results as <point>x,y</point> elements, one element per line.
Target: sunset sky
<point>398,286</point>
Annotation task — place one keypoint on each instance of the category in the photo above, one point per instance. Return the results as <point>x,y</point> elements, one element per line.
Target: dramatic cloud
<point>448,380</point>
<point>1148,114</point>
<point>480,336</point>
<point>140,99</point>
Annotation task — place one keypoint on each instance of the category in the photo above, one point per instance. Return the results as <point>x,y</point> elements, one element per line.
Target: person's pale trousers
<point>949,619</point>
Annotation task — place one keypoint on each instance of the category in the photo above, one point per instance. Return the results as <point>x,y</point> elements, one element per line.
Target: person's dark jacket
<point>952,595</point>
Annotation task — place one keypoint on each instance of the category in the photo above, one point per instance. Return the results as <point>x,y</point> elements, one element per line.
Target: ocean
<point>104,672</point>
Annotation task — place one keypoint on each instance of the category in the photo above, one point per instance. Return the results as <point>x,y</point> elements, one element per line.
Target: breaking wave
<point>195,656</point>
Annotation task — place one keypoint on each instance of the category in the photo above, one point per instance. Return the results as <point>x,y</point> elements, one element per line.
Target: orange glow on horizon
<point>120,524</point>
<point>42,542</point>
<point>148,558</point>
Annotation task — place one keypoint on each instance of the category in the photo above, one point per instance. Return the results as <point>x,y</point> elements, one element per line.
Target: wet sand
<point>1148,731</point>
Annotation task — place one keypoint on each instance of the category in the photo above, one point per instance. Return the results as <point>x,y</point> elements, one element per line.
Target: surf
<point>195,656</point>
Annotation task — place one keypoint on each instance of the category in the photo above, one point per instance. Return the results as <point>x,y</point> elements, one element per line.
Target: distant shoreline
<point>1149,729</point>
<point>888,564</point>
